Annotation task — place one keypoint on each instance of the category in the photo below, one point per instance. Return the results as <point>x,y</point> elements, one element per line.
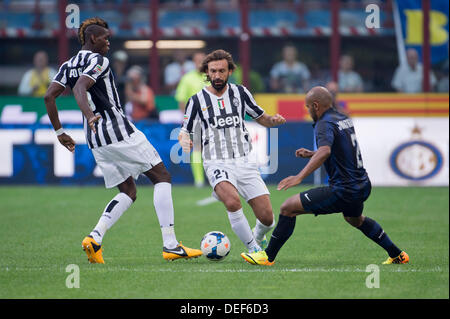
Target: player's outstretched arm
<point>53,91</point>
<point>80,92</point>
<point>314,163</point>
<point>270,121</point>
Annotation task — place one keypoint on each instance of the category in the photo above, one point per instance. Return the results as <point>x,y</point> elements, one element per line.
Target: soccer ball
<point>215,245</point>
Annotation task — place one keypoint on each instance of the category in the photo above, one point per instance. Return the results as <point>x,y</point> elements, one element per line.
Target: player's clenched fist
<point>67,142</point>
<point>277,119</point>
<point>303,152</point>
<point>185,141</point>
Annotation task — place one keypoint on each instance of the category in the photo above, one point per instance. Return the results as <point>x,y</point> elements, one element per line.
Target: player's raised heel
<point>93,250</point>
<point>257,258</point>
<point>180,252</point>
<point>403,258</point>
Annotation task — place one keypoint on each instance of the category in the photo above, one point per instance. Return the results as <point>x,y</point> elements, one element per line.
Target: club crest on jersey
<point>236,102</point>
<point>225,121</point>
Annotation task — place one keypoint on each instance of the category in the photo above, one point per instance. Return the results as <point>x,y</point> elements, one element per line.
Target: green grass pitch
<point>42,227</point>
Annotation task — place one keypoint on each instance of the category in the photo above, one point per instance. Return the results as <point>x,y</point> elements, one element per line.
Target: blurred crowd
<point>182,78</point>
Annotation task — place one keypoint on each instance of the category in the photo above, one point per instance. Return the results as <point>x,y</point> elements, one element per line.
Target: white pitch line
<point>206,201</point>
<point>212,270</point>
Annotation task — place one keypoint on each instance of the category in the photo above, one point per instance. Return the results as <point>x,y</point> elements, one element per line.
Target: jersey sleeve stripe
<point>253,109</point>
<point>89,77</point>
<point>61,76</point>
<point>190,114</point>
<point>59,83</point>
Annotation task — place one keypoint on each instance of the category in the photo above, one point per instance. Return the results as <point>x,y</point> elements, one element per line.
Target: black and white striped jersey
<point>223,131</point>
<point>102,96</point>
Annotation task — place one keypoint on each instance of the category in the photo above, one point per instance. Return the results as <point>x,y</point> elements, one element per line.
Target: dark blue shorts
<point>325,200</point>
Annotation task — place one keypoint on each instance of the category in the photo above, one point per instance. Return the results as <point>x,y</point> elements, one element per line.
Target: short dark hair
<point>88,22</point>
<point>217,56</point>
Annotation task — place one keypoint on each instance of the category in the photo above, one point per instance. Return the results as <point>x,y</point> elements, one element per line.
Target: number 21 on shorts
<point>220,174</point>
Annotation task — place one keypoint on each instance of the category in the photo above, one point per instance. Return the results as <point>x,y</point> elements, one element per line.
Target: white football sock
<point>115,208</point>
<point>162,200</point>
<point>242,229</point>
<point>261,229</point>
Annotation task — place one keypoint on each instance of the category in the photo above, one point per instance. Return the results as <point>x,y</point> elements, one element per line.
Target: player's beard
<point>218,86</point>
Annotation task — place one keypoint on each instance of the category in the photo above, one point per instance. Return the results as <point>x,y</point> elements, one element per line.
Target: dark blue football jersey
<point>344,166</point>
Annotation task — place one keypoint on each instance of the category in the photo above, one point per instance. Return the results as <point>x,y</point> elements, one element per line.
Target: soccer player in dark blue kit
<point>349,184</point>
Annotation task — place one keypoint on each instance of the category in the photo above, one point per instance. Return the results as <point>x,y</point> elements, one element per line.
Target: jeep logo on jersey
<point>225,121</point>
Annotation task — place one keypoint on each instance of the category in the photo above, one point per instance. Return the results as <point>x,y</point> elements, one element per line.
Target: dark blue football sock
<point>373,230</point>
<point>280,235</point>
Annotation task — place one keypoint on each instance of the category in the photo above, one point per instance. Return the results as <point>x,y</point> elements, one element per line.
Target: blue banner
<point>31,154</point>
<point>410,20</point>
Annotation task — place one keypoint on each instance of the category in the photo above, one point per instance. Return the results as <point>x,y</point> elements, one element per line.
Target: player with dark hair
<point>349,184</point>
<point>226,146</point>
<point>120,150</point>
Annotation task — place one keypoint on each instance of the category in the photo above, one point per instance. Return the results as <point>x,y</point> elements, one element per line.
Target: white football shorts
<point>242,173</point>
<point>130,157</point>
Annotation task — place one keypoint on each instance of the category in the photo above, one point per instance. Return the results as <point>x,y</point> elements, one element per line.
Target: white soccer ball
<point>215,245</point>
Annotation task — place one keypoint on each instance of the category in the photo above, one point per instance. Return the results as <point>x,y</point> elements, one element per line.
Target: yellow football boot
<point>93,250</point>
<point>403,258</point>
<point>180,252</point>
<point>257,258</point>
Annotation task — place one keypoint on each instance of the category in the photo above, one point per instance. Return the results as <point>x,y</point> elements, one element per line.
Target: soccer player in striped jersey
<point>226,145</point>
<point>121,151</point>
<point>349,184</point>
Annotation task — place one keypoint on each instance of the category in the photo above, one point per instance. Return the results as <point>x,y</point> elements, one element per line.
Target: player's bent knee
<point>292,207</point>
<point>232,204</point>
<point>286,210</point>
<point>354,221</point>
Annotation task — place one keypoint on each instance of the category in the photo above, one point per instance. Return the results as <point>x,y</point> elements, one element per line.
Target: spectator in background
<point>36,81</point>
<point>289,75</point>
<point>140,97</point>
<point>349,80</point>
<point>408,78</point>
<point>175,70</point>
<point>256,81</point>
<point>190,84</point>
<point>119,66</point>
<point>442,85</point>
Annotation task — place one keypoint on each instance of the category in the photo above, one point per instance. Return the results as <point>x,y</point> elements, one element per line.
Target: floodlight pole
<point>335,40</point>
<point>244,44</point>
<point>426,46</point>
<point>63,41</point>
<point>154,57</point>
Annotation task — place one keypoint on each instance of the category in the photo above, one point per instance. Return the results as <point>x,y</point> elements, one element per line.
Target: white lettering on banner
<point>373,19</point>
<point>13,114</point>
<point>73,17</point>
<point>64,161</point>
<point>8,138</point>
